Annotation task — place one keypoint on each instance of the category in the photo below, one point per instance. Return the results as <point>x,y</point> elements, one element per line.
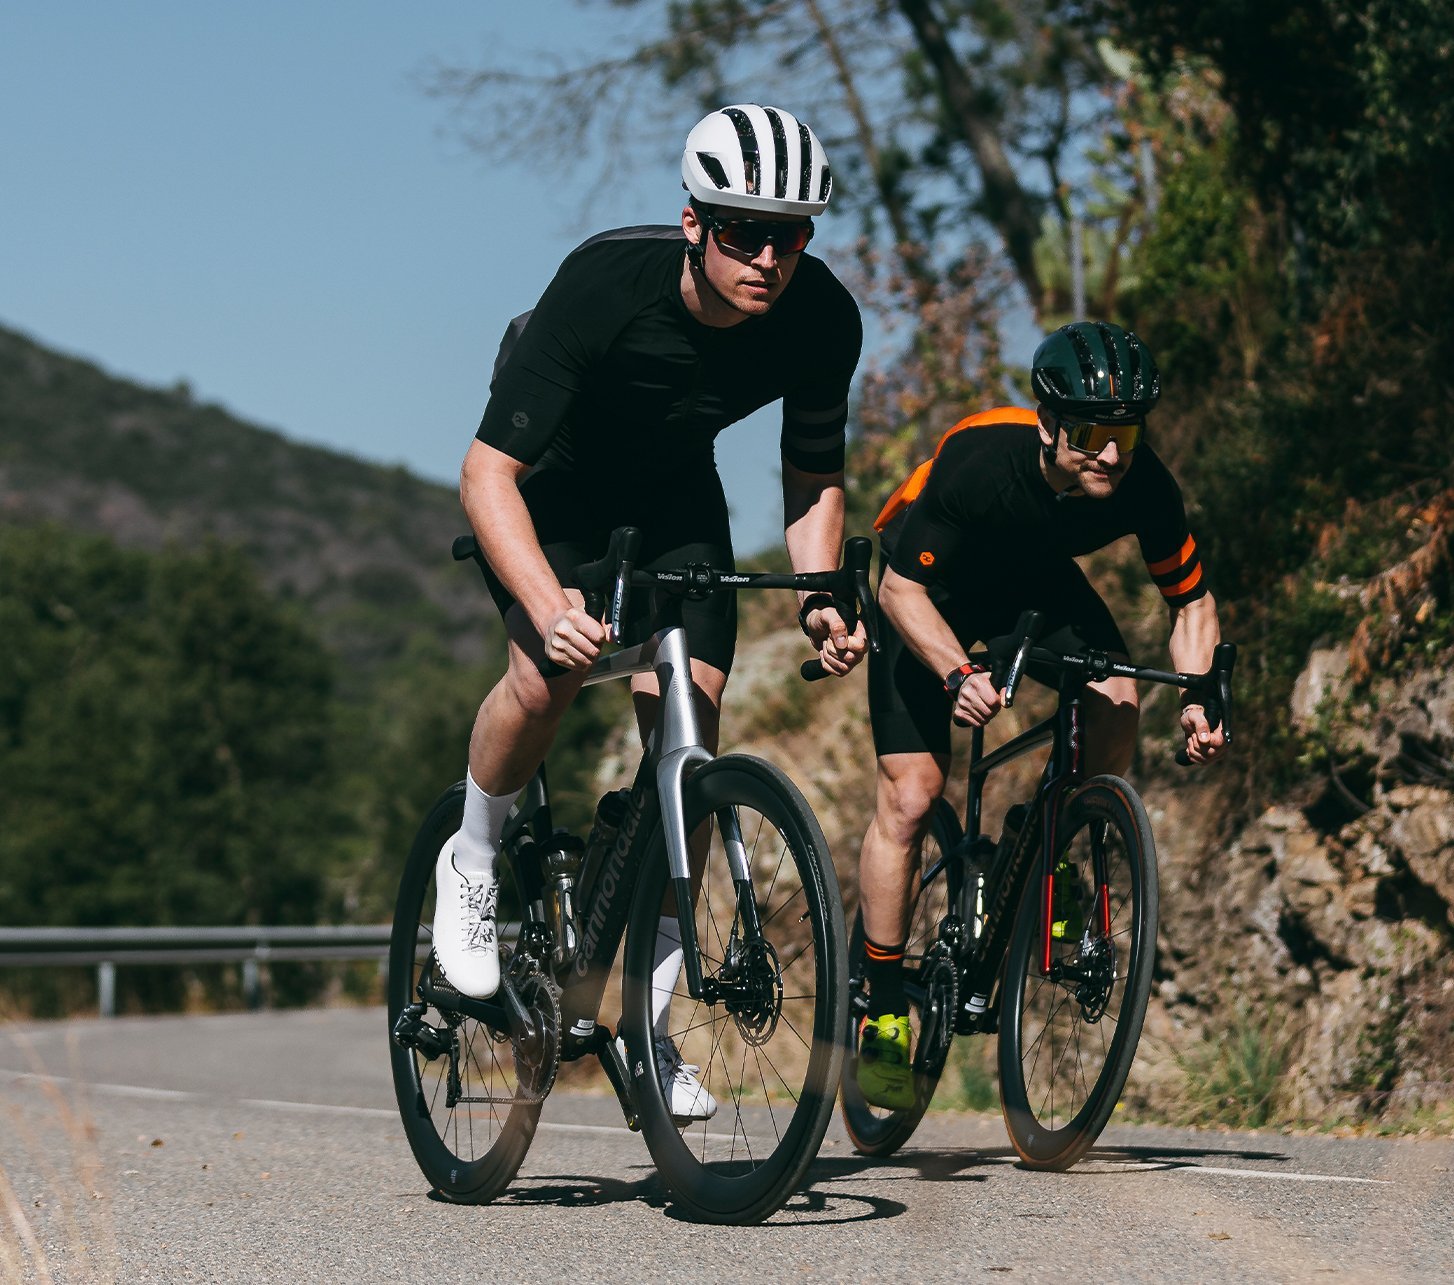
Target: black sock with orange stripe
<point>883,968</point>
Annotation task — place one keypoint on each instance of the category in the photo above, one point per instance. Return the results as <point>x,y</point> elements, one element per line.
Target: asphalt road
<point>265,1147</point>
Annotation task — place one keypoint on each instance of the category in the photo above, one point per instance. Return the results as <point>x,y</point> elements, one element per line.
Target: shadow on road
<point>823,1203</point>
<point>585,1191</point>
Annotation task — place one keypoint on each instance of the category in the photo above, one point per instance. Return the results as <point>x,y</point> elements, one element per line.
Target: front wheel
<point>931,983</point>
<point>469,1092</point>
<point>768,1048</point>
<point>1068,1034</point>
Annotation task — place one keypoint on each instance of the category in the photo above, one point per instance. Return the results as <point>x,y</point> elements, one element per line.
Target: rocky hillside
<point>364,548</point>
<point>1322,932</point>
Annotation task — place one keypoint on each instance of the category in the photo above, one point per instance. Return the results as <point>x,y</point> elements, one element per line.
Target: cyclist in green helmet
<point>989,528</point>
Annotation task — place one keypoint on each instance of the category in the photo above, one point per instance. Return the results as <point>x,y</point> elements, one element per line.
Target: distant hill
<point>362,547</point>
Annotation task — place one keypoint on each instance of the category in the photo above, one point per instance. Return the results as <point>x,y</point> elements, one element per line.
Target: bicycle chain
<point>940,979</point>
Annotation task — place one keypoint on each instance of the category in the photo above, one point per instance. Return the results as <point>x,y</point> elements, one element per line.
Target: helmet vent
<point>780,150</point>
<point>747,137</point>
<point>1138,382</point>
<point>1113,358</point>
<point>714,169</point>
<point>1089,375</point>
<point>805,169</point>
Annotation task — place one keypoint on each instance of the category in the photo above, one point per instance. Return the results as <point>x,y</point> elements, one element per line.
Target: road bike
<point>1047,936</point>
<point>726,843</point>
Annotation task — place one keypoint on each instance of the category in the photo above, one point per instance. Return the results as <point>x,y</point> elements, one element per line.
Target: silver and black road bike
<point>729,846</point>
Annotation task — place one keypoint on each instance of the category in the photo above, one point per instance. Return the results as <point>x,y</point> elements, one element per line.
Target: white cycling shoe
<point>687,1097</point>
<point>465,944</point>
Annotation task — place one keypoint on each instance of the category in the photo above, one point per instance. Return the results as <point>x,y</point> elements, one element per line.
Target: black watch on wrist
<point>813,602</point>
<point>954,679</point>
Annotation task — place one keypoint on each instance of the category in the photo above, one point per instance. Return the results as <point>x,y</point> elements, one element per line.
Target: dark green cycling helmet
<point>1097,371</point>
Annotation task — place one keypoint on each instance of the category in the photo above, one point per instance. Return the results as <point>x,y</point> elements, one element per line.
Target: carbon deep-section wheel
<point>1068,1034</point>
<point>768,1044</point>
<point>469,1088</point>
<point>931,983</point>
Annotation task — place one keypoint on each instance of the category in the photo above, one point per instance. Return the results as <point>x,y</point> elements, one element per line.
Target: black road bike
<point>1047,936</point>
<point>731,845</point>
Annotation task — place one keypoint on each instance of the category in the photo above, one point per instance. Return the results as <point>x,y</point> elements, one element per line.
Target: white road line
<point>275,1104</point>
<point>1170,1166</point>
<point>1284,1177</point>
<point>324,1108</point>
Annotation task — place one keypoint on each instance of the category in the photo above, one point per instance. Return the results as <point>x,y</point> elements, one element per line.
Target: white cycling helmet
<point>756,158</point>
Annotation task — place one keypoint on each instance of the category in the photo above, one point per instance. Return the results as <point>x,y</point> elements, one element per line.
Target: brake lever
<point>1218,705</point>
<point>630,546</point>
<point>620,555</point>
<point>857,557</point>
<point>1028,628</point>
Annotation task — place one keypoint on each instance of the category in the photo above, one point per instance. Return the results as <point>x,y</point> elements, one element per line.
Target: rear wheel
<point>1068,1035</point>
<point>469,1090</point>
<point>931,982</point>
<point>769,1047</point>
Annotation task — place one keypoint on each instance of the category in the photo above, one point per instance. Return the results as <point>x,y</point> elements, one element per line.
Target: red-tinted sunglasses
<point>748,236</point>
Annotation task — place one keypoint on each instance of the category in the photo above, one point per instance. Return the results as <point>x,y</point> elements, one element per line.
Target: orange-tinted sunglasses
<point>1091,438</point>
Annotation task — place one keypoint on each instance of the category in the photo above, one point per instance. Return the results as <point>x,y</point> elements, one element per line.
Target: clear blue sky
<point>259,199</point>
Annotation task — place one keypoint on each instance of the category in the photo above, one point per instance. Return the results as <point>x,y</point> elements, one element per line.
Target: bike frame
<point>674,748</point>
<point>1004,887</point>
<point>1064,771</point>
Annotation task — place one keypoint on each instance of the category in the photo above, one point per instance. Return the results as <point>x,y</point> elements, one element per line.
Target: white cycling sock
<point>478,841</point>
<point>664,972</point>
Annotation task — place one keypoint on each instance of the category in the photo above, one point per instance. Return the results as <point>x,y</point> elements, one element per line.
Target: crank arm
<point>614,1066</point>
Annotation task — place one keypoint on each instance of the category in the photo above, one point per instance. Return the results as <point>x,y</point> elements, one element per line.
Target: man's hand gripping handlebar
<point>851,596</point>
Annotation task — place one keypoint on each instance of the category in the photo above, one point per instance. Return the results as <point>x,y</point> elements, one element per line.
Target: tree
<point>166,754</point>
<point>949,121</point>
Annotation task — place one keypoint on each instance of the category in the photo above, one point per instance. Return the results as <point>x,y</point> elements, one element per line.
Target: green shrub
<point>1235,1075</point>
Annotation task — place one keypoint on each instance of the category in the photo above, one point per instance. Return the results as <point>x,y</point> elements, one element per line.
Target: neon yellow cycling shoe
<point>1067,904</point>
<point>885,1076</point>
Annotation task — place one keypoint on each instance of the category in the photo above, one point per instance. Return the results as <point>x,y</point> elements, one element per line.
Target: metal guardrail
<point>252,947</point>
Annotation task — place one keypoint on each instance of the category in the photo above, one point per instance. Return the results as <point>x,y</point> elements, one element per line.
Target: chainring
<point>940,980</point>
<point>538,1059</point>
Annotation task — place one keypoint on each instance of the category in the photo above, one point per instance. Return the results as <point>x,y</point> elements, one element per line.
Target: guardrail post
<point>252,989</point>
<point>106,988</point>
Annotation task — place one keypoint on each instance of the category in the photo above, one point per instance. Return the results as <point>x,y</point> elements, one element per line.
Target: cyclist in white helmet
<point>604,405</point>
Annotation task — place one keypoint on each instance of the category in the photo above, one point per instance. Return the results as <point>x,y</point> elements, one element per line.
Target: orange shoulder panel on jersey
<point>913,485</point>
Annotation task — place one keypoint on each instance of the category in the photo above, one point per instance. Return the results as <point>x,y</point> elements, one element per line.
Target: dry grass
<point>54,1221</point>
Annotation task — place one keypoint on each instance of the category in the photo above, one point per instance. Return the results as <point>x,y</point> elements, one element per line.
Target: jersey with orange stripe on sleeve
<point>987,513</point>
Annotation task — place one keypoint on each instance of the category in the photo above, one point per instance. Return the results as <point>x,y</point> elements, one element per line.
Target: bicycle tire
<point>1062,1068</point>
<point>879,1131</point>
<point>469,1152</point>
<point>772,1055</point>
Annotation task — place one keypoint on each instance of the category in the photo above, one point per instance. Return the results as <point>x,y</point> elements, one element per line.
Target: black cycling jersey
<point>989,538</point>
<point>610,373</point>
<point>615,393</point>
<point>988,514</point>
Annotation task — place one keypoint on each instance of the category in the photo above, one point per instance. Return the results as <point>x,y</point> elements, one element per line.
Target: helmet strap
<point>697,258</point>
<point>1048,453</point>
